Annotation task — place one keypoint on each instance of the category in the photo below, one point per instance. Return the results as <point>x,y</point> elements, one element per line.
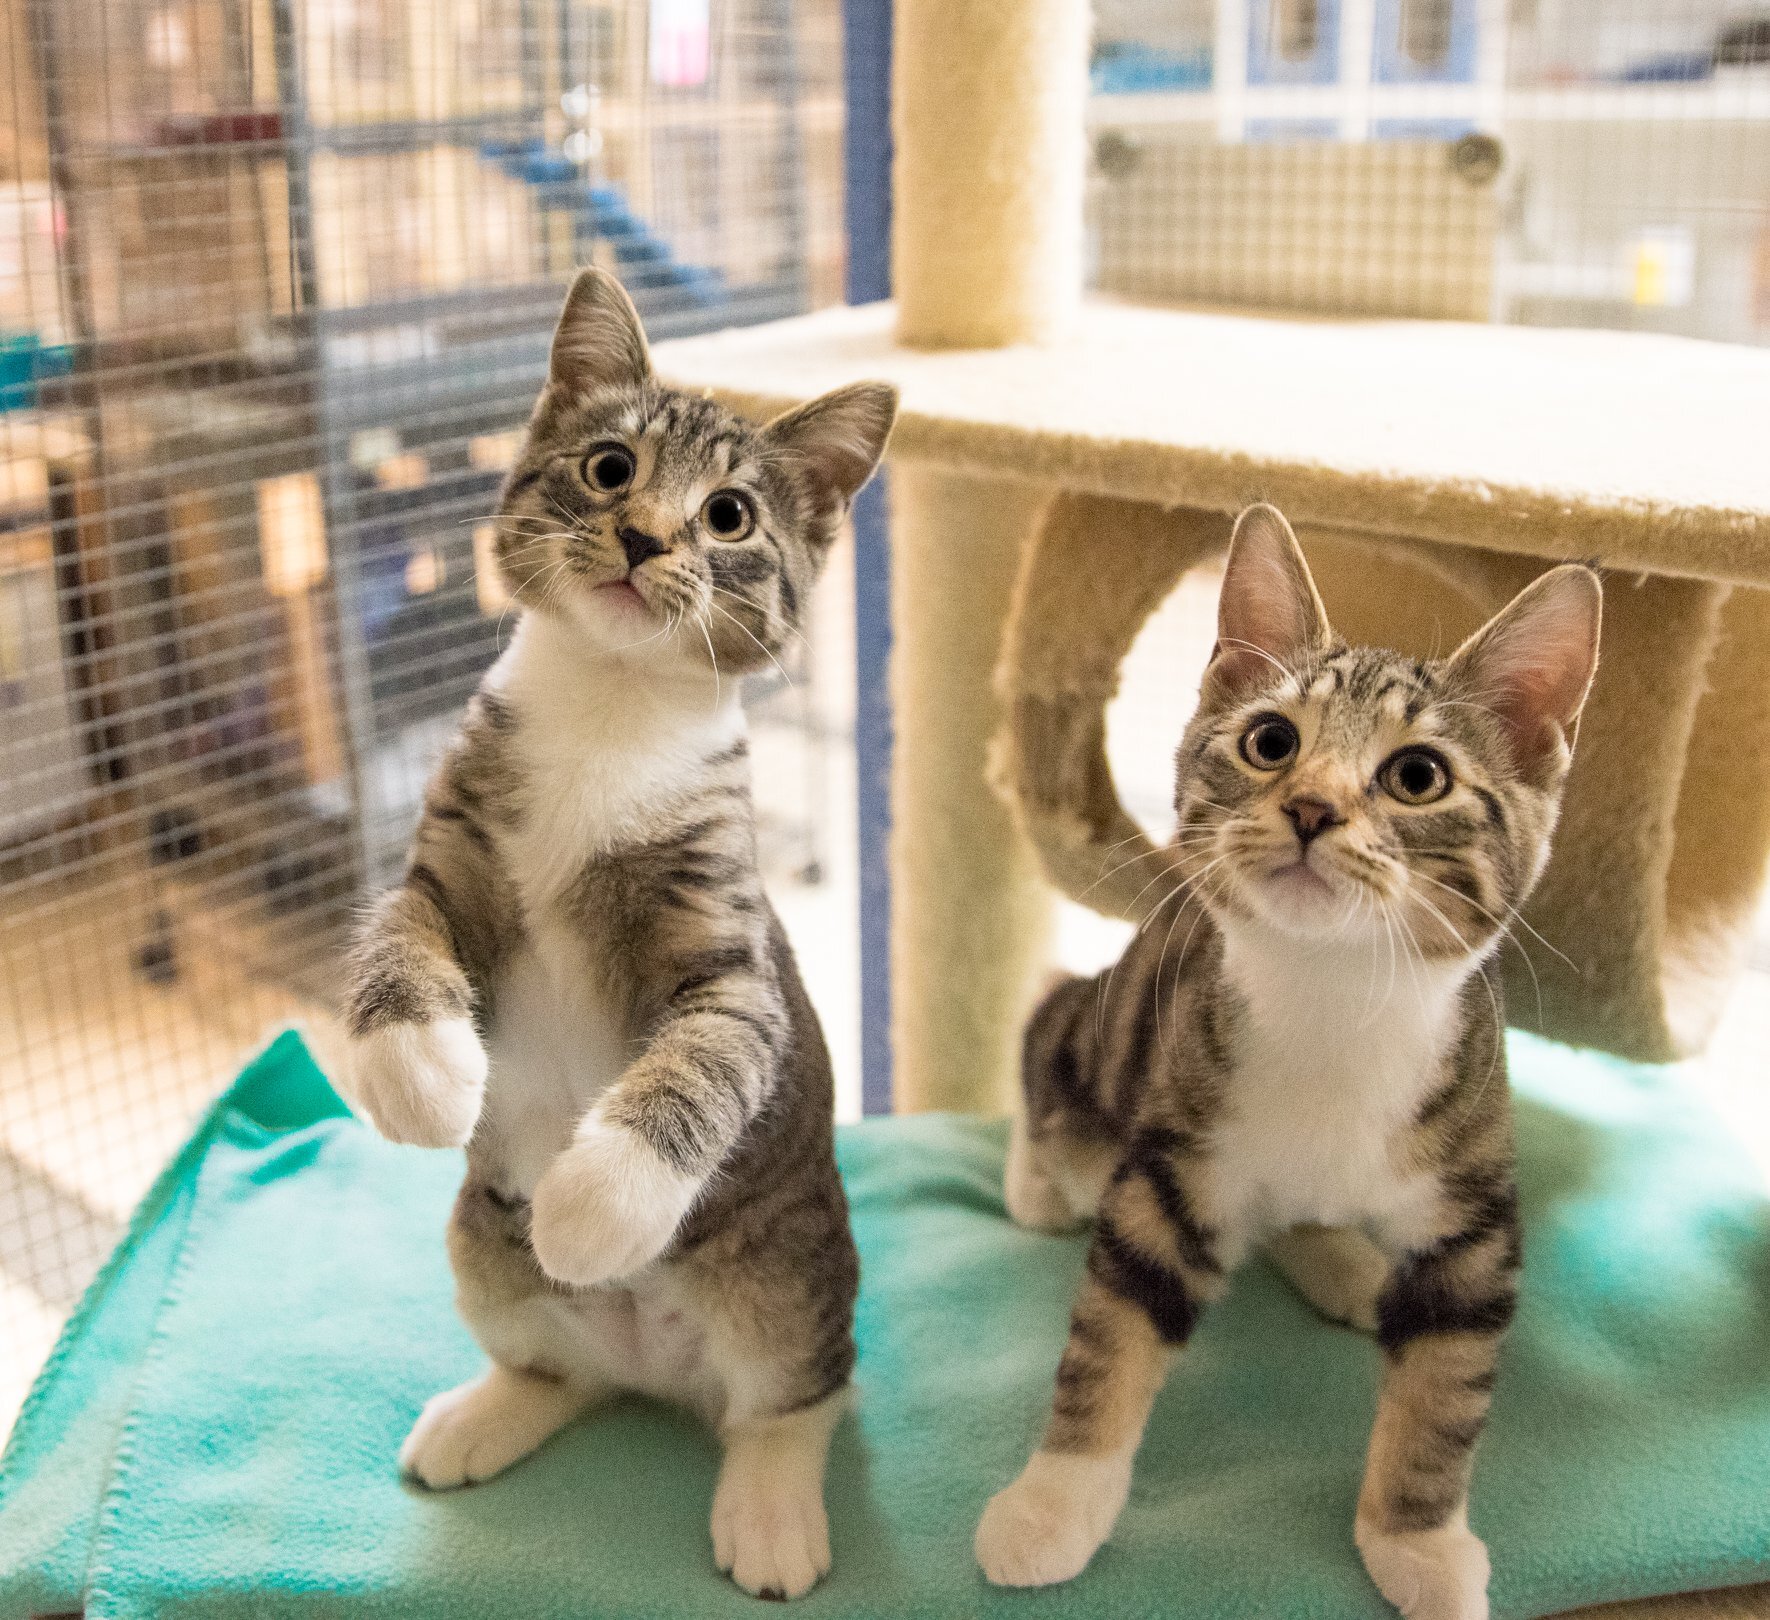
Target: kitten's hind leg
<point>1060,1149</point>
<point>770,1532</point>
<point>1337,1269</point>
<point>1029,1187</point>
<point>480,1428</point>
<point>1054,1181</point>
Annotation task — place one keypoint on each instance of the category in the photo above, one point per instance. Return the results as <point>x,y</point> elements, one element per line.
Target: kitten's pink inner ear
<point>1533,662</point>
<point>1268,614</point>
<point>840,436</point>
<point>599,342</point>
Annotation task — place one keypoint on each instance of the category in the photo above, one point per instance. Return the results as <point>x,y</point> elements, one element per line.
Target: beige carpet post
<point>988,101</point>
<point>988,98</point>
<point>970,913</point>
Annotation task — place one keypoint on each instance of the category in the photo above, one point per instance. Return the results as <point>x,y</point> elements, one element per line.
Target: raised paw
<point>472,1432</point>
<point>771,1536</point>
<point>420,1083</point>
<point>1047,1525</point>
<point>1428,1574</point>
<point>607,1206</point>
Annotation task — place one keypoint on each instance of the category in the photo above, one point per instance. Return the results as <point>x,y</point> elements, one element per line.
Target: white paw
<point>1353,1304</point>
<point>1047,1525</point>
<point>468,1434</point>
<point>1353,1275</point>
<point>420,1083</point>
<point>607,1206</point>
<point>1428,1574</point>
<point>770,1535</point>
<point>1034,1200</point>
<point>1337,1269</point>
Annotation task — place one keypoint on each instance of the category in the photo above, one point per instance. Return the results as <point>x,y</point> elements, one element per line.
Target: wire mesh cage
<point>1542,161</point>
<point>276,283</point>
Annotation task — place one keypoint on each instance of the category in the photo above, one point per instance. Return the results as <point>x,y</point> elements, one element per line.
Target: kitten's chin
<point>616,618</point>
<point>1300,899</point>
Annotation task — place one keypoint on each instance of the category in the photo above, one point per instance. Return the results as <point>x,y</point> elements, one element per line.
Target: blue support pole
<point>872,747</point>
<point>866,49</point>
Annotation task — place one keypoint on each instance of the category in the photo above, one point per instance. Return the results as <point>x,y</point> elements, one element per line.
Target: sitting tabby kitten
<point>1319,1065</point>
<point>581,978</point>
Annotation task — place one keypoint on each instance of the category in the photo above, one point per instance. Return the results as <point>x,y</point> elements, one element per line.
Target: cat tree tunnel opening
<point>1631,939</point>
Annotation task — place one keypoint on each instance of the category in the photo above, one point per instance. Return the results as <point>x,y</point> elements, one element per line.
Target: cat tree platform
<point>1044,498</point>
<point>1556,444</point>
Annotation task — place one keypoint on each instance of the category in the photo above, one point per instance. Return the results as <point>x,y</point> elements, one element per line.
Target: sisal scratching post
<point>970,912</point>
<point>988,103</point>
<point>986,251</point>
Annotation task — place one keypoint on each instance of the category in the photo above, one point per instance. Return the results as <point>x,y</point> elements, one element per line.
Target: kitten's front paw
<point>1047,1525</point>
<point>420,1083</point>
<point>606,1206</point>
<point>771,1536</point>
<point>1428,1574</point>
<point>472,1432</point>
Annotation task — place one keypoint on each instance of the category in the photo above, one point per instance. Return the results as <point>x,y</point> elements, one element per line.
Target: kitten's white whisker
<point>748,632</point>
<point>707,635</point>
<point>1372,1003</point>
<point>720,590</point>
<point>1499,1028</point>
<point>1504,931</point>
<point>1130,861</point>
<point>1175,870</point>
<point>1185,946</point>
<point>1105,992</point>
<point>1513,913</point>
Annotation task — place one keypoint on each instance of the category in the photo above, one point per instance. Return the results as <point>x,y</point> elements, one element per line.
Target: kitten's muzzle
<point>1310,818</point>
<point>639,546</point>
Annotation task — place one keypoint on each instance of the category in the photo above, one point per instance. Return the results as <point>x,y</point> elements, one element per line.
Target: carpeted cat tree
<point>1059,464</point>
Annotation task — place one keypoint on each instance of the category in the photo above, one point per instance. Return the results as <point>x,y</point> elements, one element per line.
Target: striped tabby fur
<point>580,976</point>
<point>1303,1049</point>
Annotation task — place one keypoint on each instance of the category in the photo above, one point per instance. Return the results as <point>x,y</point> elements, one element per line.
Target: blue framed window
<point>1425,42</point>
<point>1293,41</point>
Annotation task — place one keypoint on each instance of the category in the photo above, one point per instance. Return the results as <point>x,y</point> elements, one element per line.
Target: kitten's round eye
<point>728,514</point>
<point>1415,776</point>
<point>1271,741</point>
<point>609,467</point>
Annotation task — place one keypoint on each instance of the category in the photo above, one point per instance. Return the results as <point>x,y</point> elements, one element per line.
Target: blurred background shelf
<point>1543,161</point>
<point>1746,102</point>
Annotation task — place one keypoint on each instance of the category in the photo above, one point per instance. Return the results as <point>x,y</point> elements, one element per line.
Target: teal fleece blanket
<point>216,1433</point>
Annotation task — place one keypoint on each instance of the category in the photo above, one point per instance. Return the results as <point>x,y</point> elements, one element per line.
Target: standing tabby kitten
<point>581,978</point>
<point>1320,1066</point>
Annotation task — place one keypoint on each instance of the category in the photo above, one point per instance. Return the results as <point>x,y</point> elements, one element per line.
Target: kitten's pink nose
<point>1311,818</point>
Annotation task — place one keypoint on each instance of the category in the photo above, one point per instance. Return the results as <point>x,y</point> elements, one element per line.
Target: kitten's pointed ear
<point>1532,663</point>
<point>599,342</point>
<point>1268,613</point>
<point>839,437</point>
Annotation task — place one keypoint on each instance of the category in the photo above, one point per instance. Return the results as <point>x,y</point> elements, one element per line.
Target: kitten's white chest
<point>604,752</point>
<point>1329,1066</point>
<point>605,759</point>
<point>556,1044</point>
